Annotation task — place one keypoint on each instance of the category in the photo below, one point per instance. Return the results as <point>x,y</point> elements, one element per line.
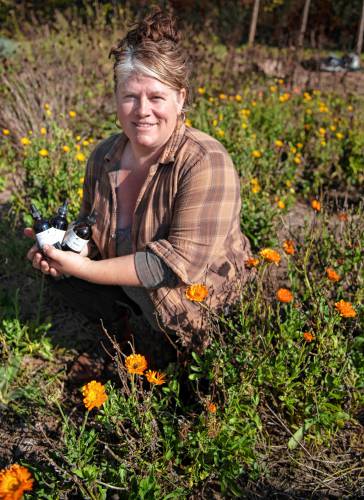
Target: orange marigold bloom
<point>332,275</point>
<point>251,262</point>
<point>136,363</point>
<point>156,378</point>
<point>345,309</point>
<point>284,295</point>
<point>288,247</point>
<point>211,407</point>
<point>270,255</point>
<point>14,481</point>
<point>308,336</point>
<point>316,205</point>
<point>343,217</point>
<point>197,292</point>
<point>94,395</point>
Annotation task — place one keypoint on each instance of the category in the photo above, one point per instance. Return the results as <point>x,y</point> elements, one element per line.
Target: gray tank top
<point>136,293</point>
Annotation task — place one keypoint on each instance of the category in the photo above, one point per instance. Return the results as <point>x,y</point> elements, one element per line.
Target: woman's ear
<point>181,97</point>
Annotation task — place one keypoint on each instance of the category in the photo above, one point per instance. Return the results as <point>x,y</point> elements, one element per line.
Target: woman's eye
<point>157,98</point>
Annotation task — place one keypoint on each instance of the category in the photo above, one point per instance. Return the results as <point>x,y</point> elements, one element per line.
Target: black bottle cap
<point>34,211</point>
<point>63,209</point>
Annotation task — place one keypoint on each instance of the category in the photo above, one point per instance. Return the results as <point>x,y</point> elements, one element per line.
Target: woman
<point>167,198</point>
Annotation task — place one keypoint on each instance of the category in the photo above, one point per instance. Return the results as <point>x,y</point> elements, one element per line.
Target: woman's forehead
<point>143,82</point>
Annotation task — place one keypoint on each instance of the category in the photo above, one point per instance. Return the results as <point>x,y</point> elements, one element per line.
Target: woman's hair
<point>153,48</point>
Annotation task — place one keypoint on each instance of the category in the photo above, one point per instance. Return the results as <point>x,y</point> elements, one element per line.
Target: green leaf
<point>299,434</point>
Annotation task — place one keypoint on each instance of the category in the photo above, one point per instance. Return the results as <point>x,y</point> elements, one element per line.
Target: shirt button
<point>113,236</point>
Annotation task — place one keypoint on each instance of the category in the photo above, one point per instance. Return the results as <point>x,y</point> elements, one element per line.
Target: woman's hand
<point>59,262</point>
<point>53,264</point>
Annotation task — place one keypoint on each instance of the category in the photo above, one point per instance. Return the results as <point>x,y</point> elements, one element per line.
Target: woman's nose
<point>143,107</point>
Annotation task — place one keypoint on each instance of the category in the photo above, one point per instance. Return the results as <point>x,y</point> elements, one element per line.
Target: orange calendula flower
<point>343,217</point>
<point>270,255</point>
<point>316,205</point>
<point>308,336</point>
<point>136,363</point>
<point>94,395</point>
<point>14,481</point>
<point>211,407</point>
<point>197,292</point>
<point>156,378</point>
<point>288,247</point>
<point>332,275</point>
<point>345,309</point>
<point>284,295</point>
<point>251,262</point>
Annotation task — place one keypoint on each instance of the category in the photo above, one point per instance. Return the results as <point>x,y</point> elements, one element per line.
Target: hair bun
<point>156,27</point>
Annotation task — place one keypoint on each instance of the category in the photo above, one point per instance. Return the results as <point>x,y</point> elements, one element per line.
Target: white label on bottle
<point>59,234</point>
<point>47,237</point>
<point>73,241</point>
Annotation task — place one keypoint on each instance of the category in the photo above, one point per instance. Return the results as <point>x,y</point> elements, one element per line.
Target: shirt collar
<point>167,155</point>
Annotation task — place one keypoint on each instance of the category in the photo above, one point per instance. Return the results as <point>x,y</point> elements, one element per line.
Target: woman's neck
<point>144,157</point>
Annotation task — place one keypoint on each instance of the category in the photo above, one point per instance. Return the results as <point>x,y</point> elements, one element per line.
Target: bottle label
<point>47,237</point>
<point>59,234</point>
<point>73,241</point>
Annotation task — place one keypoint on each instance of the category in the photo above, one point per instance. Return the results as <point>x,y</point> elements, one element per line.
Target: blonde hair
<point>153,48</point>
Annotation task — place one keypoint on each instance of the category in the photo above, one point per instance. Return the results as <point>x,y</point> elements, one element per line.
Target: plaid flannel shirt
<point>187,213</point>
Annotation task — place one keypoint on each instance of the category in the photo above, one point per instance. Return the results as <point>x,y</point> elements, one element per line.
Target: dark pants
<point>120,315</point>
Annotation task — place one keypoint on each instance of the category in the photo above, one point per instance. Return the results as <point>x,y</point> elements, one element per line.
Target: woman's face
<point>147,110</point>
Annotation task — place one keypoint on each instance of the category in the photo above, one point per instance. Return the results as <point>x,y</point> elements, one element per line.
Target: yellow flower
<point>80,157</point>
<point>288,247</point>
<point>94,395</point>
<point>14,481</point>
<point>297,159</point>
<point>308,336</point>
<point>78,137</point>
<point>91,140</point>
<point>25,141</point>
<point>43,152</point>
<point>80,192</point>
<point>270,255</point>
<point>332,275</point>
<point>288,183</point>
<point>273,89</point>
<point>201,90</point>
<point>222,96</point>
<point>244,125</point>
<point>72,114</point>
<point>281,81</point>
<point>299,145</point>
<point>350,108</point>
<point>188,122</point>
<point>136,364</point>
<point>82,180</point>
<point>316,205</point>
<point>339,136</point>
<point>278,143</point>
<point>48,112</point>
<point>211,99</point>
<point>345,309</point>
<point>66,149</point>
<point>6,131</point>
<point>293,149</point>
<point>156,378</point>
<point>323,143</point>
<point>281,204</point>
<point>85,143</point>
<point>284,97</point>
<point>77,147</point>
<point>214,122</point>
<point>43,131</point>
<point>220,132</point>
<point>238,98</point>
<point>256,154</point>
<point>254,103</point>
<point>196,292</point>
<point>245,112</point>
<point>332,128</point>
<point>307,96</point>
<point>46,106</point>
<point>255,186</point>
<point>284,295</point>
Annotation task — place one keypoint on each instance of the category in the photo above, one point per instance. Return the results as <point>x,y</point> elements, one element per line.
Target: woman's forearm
<point>115,271</point>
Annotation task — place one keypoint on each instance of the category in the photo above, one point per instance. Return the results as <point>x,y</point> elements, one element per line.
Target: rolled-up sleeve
<point>207,204</point>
